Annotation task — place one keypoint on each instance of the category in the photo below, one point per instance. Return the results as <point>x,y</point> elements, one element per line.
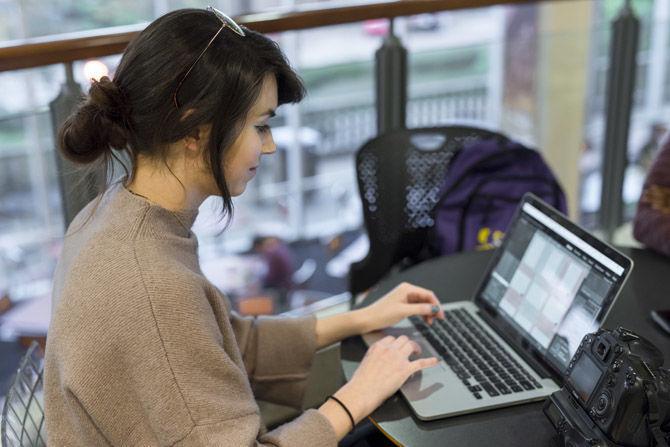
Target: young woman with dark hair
<point>142,349</point>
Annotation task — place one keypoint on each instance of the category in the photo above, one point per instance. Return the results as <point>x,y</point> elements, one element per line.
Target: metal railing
<point>344,129</point>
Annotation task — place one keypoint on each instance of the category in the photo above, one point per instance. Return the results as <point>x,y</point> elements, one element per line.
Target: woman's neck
<point>165,186</point>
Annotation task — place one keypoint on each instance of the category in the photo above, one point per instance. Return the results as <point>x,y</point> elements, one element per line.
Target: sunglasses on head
<point>226,22</point>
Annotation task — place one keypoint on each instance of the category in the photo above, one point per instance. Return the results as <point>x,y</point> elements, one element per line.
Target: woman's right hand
<point>384,369</point>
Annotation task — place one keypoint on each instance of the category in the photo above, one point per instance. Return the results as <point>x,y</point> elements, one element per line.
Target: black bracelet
<point>353,424</point>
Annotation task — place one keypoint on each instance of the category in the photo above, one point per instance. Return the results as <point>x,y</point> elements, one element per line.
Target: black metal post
<point>391,83</point>
<point>77,185</point>
<point>619,107</point>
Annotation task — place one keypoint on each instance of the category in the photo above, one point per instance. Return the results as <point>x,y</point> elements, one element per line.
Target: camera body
<point>615,393</point>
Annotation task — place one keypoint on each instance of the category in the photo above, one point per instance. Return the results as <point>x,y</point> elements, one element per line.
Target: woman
<point>142,349</point>
<point>651,225</point>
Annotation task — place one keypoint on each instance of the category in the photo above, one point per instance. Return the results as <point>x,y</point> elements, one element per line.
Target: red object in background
<point>376,27</point>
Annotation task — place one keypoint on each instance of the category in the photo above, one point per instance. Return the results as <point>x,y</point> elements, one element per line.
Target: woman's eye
<point>262,128</point>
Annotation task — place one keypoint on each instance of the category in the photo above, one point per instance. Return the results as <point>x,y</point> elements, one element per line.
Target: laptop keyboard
<point>474,356</point>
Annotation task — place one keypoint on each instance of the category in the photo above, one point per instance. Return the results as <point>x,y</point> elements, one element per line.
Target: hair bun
<point>111,101</point>
<point>100,124</point>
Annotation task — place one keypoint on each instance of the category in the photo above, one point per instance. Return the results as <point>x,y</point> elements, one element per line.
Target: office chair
<point>23,412</point>
<point>399,178</point>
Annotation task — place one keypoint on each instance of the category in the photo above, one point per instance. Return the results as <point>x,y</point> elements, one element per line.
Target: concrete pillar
<point>77,185</point>
<point>562,73</point>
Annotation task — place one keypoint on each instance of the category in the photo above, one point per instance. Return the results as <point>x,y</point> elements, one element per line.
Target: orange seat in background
<point>256,305</point>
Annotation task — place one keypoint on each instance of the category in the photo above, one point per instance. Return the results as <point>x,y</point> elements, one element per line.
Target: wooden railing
<point>36,52</point>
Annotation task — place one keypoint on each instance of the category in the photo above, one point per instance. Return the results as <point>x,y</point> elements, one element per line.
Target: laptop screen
<point>551,283</point>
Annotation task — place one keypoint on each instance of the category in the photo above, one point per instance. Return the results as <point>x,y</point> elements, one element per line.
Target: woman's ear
<point>196,141</point>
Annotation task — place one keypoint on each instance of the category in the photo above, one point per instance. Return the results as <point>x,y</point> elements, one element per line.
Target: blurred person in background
<point>279,261</point>
<point>651,225</point>
<point>651,146</point>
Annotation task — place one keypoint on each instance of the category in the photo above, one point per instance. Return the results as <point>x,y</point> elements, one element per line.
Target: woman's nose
<point>269,146</point>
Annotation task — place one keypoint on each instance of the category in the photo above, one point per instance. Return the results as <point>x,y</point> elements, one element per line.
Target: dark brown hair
<point>135,112</point>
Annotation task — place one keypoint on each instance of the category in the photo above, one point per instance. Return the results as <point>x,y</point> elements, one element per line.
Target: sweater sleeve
<point>202,355</point>
<point>310,429</point>
<point>652,219</point>
<point>278,354</point>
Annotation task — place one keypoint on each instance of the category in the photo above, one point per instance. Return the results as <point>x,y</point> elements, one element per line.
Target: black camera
<point>615,393</point>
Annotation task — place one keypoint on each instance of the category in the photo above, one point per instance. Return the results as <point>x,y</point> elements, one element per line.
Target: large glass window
<point>31,223</point>
<point>493,67</point>
<point>649,121</point>
<point>666,87</point>
<point>33,18</point>
<point>449,66</point>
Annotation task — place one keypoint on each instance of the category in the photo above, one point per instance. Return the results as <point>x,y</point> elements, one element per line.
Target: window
<point>648,121</point>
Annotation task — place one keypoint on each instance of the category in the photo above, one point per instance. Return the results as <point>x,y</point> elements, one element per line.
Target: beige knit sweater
<point>144,351</point>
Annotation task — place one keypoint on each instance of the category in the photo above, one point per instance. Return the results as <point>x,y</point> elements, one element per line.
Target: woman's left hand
<point>402,302</point>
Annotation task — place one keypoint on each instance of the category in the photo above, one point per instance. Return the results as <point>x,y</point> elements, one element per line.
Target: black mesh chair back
<point>23,412</point>
<point>399,178</point>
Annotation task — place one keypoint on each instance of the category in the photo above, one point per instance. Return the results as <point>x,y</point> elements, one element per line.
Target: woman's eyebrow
<point>270,113</point>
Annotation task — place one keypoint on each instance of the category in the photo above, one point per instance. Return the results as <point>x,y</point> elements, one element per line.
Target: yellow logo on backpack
<point>487,240</point>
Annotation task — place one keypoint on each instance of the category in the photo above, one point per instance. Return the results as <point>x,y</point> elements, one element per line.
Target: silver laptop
<point>548,285</point>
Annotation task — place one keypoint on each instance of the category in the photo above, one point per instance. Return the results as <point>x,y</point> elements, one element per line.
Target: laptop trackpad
<point>425,382</point>
<point>406,328</point>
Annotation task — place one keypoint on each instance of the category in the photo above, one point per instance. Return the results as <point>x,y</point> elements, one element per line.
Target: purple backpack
<point>481,191</point>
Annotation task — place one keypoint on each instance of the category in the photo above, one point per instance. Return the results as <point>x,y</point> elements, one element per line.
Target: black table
<point>455,278</point>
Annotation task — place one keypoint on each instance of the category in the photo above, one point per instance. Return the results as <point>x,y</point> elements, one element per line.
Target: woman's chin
<point>235,192</point>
